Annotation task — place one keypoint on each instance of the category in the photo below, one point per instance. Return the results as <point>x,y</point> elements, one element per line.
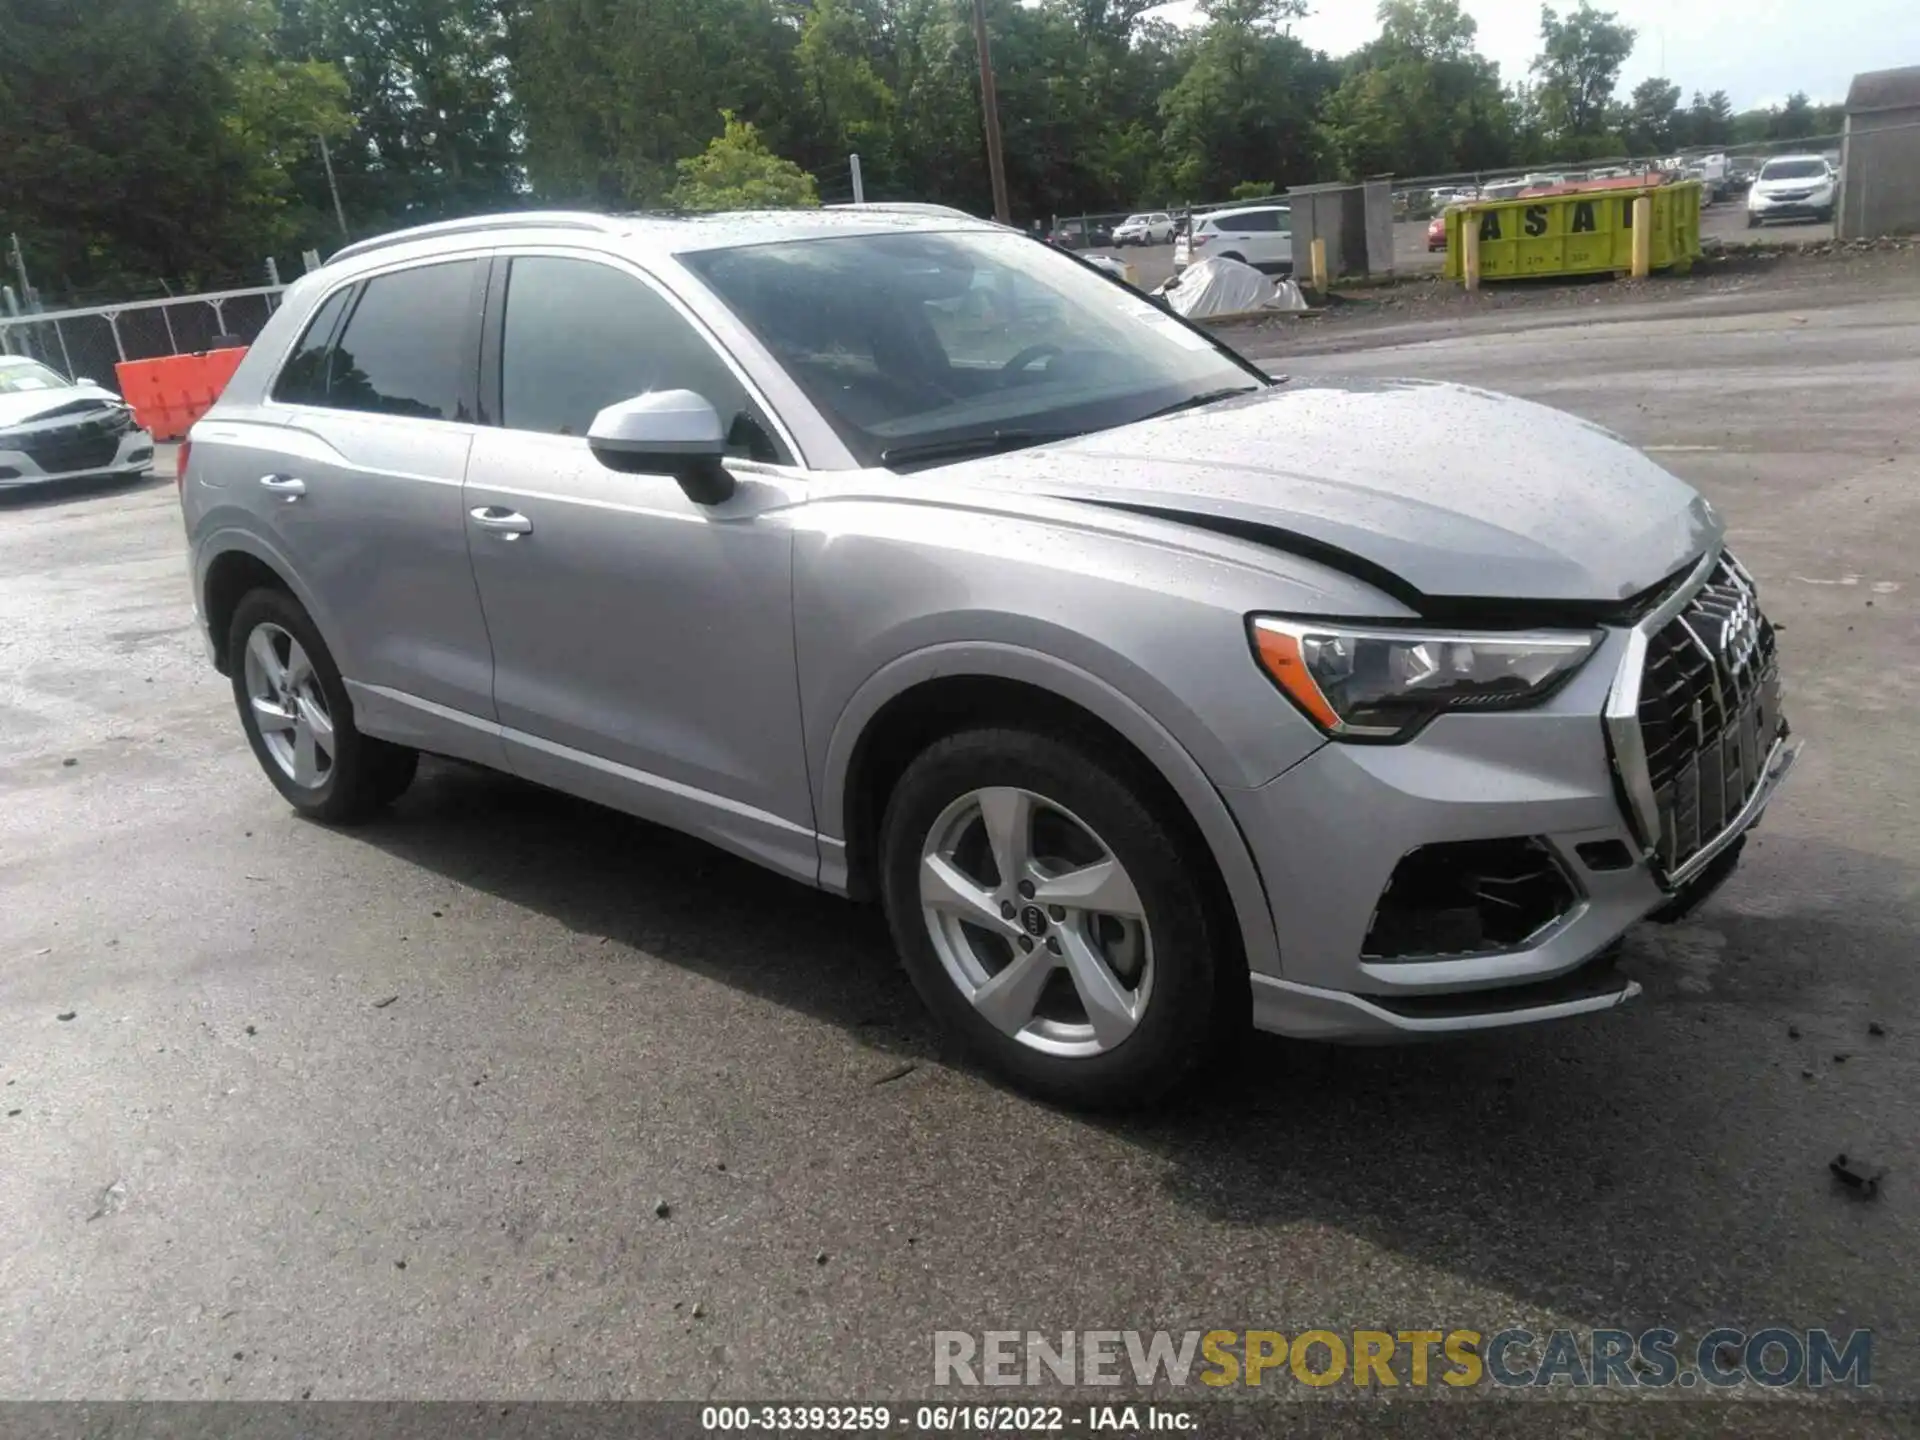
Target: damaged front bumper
<point>1480,875</point>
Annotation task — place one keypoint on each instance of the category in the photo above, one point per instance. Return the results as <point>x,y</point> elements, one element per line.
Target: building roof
<point>1885,90</point>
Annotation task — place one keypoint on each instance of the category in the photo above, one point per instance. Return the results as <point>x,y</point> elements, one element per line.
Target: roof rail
<point>513,220</point>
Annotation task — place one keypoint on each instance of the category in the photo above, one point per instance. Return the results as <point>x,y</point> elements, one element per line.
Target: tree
<point>1419,100</point>
<point>153,140</point>
<point>1653,120</point>
<point>737,172</point>
<point>1709,119</point>
<point>616,92</point>
<point>1578,67</point>
<point>1248,102</point>
<point>436,129</point>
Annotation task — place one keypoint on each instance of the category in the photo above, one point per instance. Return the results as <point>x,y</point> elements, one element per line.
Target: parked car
<point>1258,235</point>
<point>1792,187</point>
<point>1154,228</point>
<point>54,428</point>
<point>1436,234</point>
<point>1080,234</point>
<point>1148,695</point>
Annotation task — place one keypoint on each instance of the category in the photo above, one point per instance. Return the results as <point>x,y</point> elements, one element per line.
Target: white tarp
<point>1228,287</point>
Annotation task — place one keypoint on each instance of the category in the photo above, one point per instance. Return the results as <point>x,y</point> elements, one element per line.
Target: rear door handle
<point>501,521</point>
<point>289,487</point>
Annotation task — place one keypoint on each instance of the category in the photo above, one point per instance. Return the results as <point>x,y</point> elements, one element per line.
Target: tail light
<point>1198,241</point>
<point>180,465</point>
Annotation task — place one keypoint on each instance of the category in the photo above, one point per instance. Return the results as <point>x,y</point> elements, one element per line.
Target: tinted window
<point>303,380</point>
<point>581,336</point>
<point>404,349</point>
<point>1794,170</point>
<point>1255,220</point>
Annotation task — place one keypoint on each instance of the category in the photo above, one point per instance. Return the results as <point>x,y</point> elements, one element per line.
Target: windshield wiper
<point>1194,402</point>
<point>963,446</point>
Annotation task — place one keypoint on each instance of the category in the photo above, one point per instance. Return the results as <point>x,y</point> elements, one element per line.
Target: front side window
<point>914,344</point>
<point>404,349</point>
<point>580,336</point>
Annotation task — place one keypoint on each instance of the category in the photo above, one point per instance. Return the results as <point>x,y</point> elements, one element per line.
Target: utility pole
<point>990,112</point>
<point>20,269</point>
<point>326,159</point>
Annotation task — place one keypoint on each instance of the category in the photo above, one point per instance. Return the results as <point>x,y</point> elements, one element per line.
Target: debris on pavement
<point>69,762</point>
<point>662,1209</point>
<point>382,1004</point>
<point>1793,1032</point>
<point>1874,1027</point>
<point>898,1072</point>
<point>112,1198</point>
<point>1857,1174</point>
<point>67,1015</point>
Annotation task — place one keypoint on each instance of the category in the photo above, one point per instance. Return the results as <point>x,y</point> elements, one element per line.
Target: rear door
<point>380,410</point>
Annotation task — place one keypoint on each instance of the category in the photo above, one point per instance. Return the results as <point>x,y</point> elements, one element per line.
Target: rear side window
<point>580,336</point>
<point>303,379</point>
<point>404,351</point>
<point>1254,220</point>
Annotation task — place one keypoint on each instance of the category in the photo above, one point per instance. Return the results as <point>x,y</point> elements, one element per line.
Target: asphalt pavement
<point>509,1097</point>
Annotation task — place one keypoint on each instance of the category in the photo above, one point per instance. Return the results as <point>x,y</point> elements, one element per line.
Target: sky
<point>1758,51</point>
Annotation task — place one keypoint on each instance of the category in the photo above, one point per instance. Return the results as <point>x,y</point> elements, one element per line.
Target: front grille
<point>1709,712</point>
<point>88,444</point>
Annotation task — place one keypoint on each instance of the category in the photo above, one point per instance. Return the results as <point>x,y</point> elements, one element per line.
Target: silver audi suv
<point>920,562</point>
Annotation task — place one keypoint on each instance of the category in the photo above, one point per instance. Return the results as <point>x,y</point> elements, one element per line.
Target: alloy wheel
<point>1036,922</point>
<point>289,707</point>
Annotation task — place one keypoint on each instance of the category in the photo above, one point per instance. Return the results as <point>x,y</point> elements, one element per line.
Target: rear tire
<point>1753,222</point>
<point>299,720</point>
<point>1094,979</point>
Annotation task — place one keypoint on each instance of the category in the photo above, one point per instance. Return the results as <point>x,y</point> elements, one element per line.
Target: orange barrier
<point>170,393</point>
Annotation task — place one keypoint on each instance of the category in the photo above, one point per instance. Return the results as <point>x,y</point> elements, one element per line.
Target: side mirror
<point>666,432</point>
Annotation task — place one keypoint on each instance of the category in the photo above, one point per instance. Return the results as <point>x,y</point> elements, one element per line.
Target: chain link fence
<point>90,342</point>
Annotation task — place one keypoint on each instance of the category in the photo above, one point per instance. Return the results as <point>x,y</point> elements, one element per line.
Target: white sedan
<point>53,428</point>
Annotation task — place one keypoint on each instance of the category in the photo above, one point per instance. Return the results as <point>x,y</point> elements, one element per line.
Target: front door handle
<point>501,521</point>
<point>288,487</point>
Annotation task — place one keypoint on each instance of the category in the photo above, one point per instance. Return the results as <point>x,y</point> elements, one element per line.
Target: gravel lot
<point>387,1113</point>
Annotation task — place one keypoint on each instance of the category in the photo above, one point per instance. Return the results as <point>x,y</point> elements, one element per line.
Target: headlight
<point>1384,684</point>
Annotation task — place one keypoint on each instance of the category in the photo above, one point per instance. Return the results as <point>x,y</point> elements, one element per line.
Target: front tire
<point>298,717</point>
<point>1048,912</point>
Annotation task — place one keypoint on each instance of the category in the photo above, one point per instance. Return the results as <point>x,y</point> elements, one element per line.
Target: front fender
<point>1090,693</point>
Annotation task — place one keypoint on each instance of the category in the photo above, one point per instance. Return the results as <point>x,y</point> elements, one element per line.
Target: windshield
<point>1794,170</point>
<point>916,344</point>
<point>19,376</point>
<point>1137,220</point>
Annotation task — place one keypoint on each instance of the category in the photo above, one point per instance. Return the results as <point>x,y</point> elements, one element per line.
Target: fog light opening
<point>1471,897</point>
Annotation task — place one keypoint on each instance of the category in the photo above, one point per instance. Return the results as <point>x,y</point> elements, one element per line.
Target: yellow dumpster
<point>1581,232</point>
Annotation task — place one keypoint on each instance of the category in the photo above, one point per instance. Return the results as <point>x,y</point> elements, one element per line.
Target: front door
<point>642,643</point>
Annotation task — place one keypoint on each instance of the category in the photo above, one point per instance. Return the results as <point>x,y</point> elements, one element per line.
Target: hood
<point>32,405</point>
<point>1426,490</point>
